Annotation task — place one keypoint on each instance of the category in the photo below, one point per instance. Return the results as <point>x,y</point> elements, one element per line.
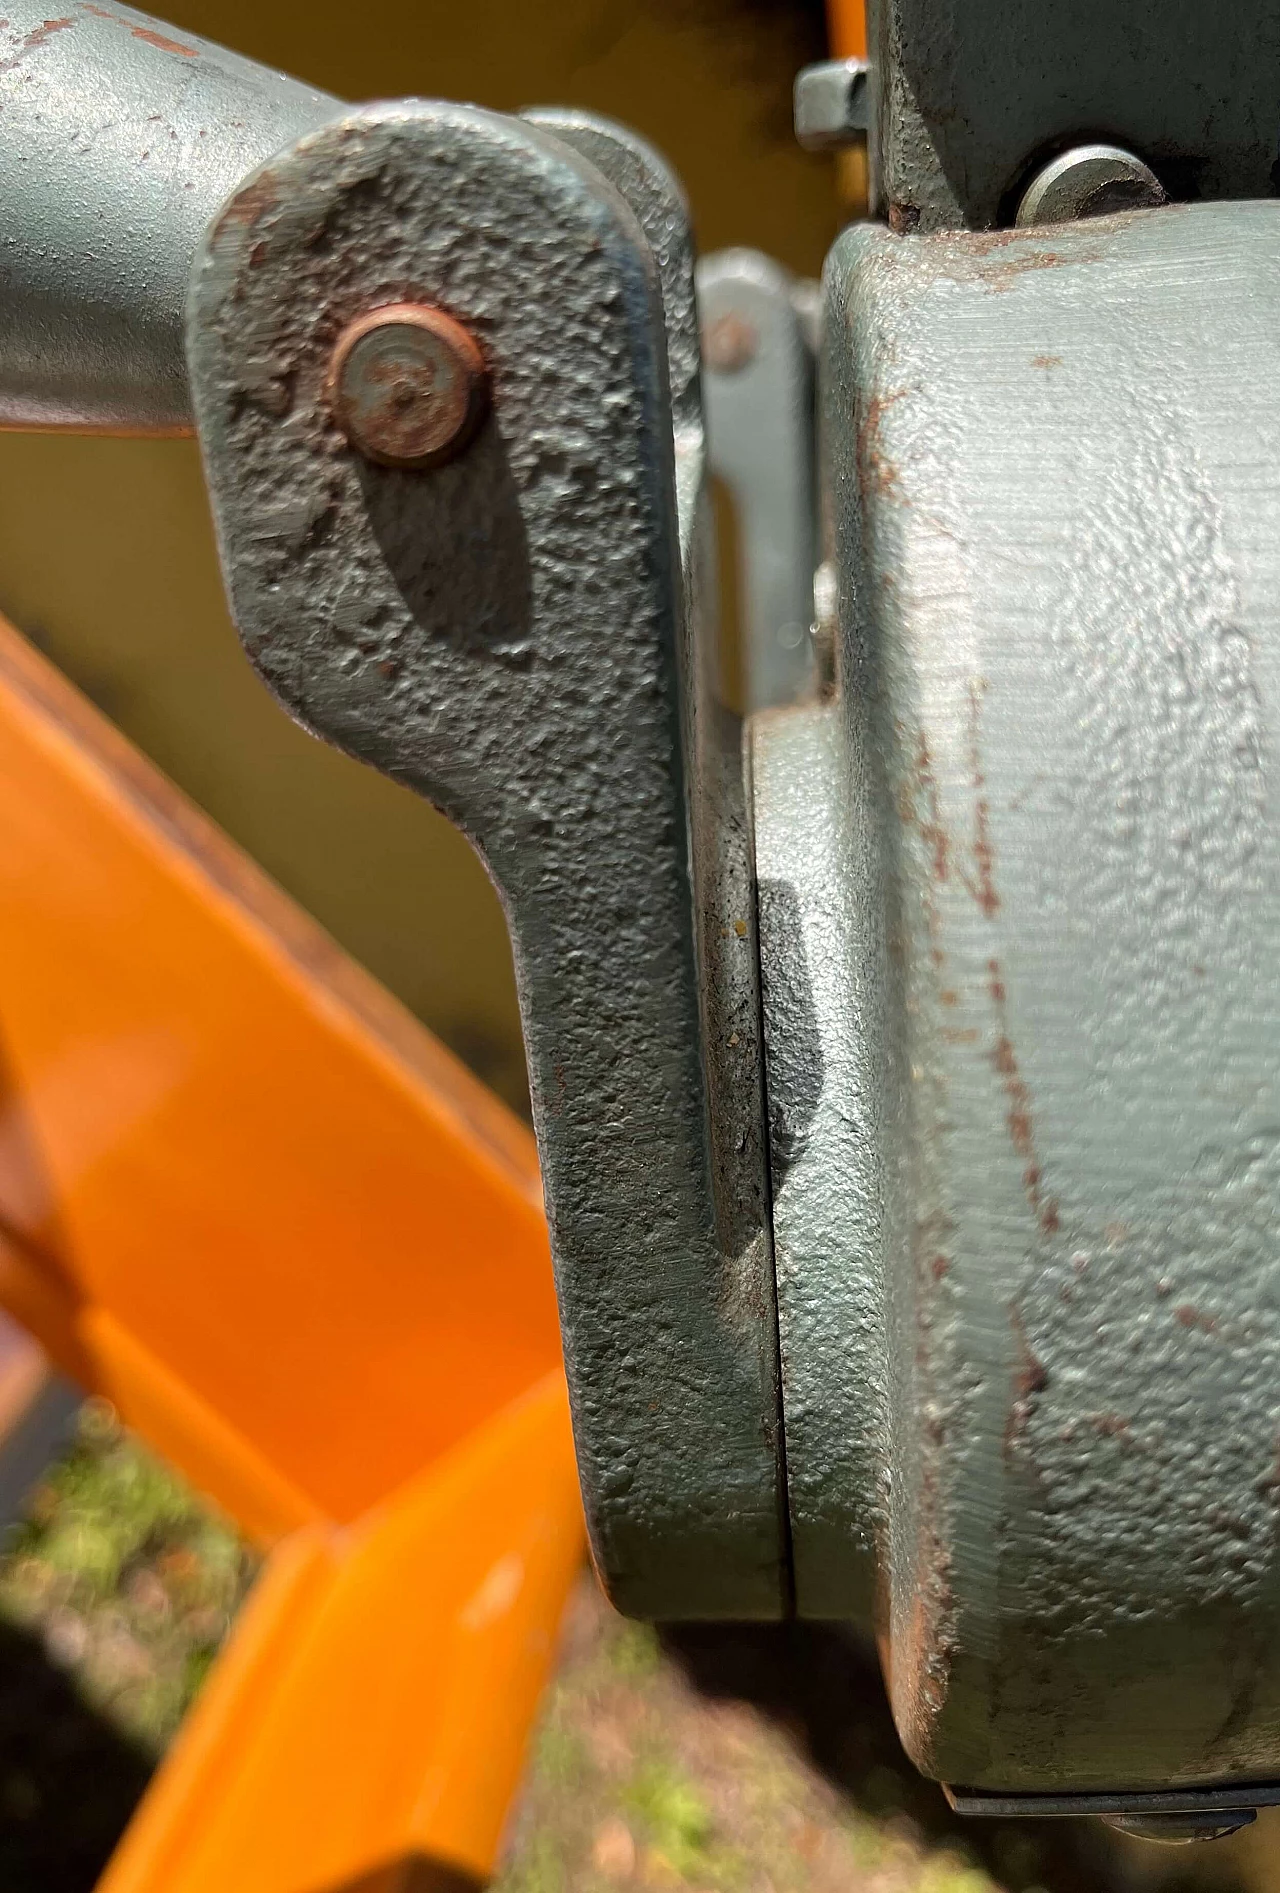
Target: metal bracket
<point>511,635</point>
<point>758,388</point>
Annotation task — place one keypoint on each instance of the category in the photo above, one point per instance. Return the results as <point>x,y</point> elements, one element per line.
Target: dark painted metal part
<point>726,937</point>
<point>119,139</point>
<point>507,634</point>
<point>970,97</point>
<point>1176,1830</point>
<point>1201,1803</point>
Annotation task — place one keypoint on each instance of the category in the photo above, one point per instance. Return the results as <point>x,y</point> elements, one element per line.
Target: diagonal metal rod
<point>119,139</point>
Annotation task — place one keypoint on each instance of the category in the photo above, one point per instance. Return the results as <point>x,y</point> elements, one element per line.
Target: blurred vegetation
<point>117,1588</point>
<point>129,1580</point>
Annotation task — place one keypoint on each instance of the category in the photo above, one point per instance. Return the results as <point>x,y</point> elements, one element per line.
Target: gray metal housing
<point>1058,459</point>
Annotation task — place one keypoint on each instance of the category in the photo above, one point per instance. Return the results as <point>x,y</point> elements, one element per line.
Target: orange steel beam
<point>366,1725</point>
<point>847,28</point>
<point>250,1200</point>
<point>847,37</point>
<point>241,1192</point>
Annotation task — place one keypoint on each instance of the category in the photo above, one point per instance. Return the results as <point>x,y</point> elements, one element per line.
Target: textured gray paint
<point>506,634</point>
<point>822,963</point>
<point>1058,467</point>
<point>119,139</point>
<point>967,95</point>
<point>725,934</point>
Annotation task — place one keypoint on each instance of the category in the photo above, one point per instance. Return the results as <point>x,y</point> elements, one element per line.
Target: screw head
<point>730,343</point>
<point>407,385</point>
<point>1089,181</point>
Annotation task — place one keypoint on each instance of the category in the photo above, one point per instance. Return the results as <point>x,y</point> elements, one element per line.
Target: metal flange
<point>511,634</point>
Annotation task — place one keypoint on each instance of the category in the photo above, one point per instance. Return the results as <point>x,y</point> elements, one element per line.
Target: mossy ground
<point>708,1760</point>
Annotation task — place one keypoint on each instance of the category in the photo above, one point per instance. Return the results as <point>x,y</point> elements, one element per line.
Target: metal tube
<point>119,139</point>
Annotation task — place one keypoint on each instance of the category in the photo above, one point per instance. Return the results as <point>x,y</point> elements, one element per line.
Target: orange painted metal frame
<point>847,28</point>
<point>251,1201</point>
<point>228,1160</point>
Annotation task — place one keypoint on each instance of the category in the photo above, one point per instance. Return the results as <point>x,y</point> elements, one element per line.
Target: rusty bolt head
<point>407,385</point>
<point>730,343</point>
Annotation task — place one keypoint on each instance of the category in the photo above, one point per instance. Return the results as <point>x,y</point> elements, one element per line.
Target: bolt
<point>1089,181</point>
<point>830,104</point>
<point>407,385</point>
<point>730,343</point>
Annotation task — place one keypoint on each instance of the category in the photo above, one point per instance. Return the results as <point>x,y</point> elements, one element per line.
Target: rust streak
<point>983,888</point>
<point>921,788</point>
<point>165,45</point>
<point>145,33</point>
<point>1031,1378</point>
<point>932,830</point>
<point>1019,1118</point>
<point>250,205</point>
<point>877,474</point>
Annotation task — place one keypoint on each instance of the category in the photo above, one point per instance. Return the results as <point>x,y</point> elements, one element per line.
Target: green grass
<point>129,1580</point>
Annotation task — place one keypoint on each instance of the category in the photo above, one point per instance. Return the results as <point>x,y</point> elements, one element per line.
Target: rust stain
<point>151,37</point>
<point>932,829</point>
<point>165,45</point>
<point>920,806</point>
<point>989,240</point>
<point>250,205</point>
<point>984,892</point>
<point>921,788</point>
<point>31,42</point>
<point>1189,1316</point>
<point>1019,1119</point>
<point>1031,1378</point>
<point>1046,361</point>
<point>1016,255</point>
<point>877,474</point>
